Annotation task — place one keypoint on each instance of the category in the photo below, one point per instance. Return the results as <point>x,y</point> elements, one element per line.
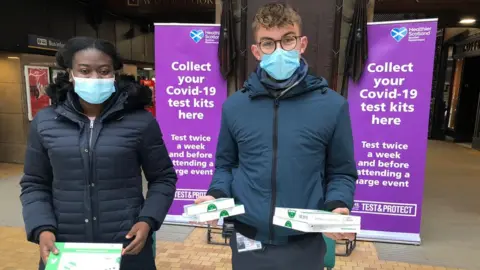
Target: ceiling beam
<point>159,6</point>
<point>466,7</point>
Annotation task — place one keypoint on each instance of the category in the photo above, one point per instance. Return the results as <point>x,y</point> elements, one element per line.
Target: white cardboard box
<point>317,216</point>
<point>315,228</point>
<point>85,256</point>
<point>209,206</point>
<point>216,215</point>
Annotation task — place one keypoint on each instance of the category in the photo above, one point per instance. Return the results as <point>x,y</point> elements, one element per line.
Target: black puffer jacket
<point>84,182</point>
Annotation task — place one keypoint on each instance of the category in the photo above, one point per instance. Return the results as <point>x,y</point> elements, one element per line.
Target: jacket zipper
<point>90,182</point>
<point>90,176</point>
<point>274,167</point>
<point>91,135</point>
<point>90,154</point>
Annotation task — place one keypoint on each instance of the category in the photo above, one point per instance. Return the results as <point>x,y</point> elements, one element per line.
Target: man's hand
<point>139,232</point>
<point>341,236</point>
<point>206,199</point>
<point>47,244</point>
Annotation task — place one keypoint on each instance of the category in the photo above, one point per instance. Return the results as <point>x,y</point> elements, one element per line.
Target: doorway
<point>464,100</point>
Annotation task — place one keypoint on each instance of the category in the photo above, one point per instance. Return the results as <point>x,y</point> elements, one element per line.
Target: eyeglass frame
<point>279,41</point>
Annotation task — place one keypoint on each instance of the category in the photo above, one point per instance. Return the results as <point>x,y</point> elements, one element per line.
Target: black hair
<point>58,90</point>
<point>127,77</point>
<point>142,95</point>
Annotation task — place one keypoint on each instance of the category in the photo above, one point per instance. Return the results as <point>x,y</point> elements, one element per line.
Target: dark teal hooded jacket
<point>295,151</point>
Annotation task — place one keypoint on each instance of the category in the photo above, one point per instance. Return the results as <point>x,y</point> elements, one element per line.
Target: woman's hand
<point>47,244</point>
<point>139,232</point>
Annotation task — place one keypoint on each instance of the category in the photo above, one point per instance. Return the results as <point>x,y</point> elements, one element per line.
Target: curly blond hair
<point>276,14</point>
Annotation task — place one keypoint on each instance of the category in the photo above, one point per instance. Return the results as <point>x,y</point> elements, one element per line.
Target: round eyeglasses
<point>288,43</point>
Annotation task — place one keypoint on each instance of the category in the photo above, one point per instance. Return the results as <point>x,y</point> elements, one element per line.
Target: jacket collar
<point>72,110</point>
<point>308,83</point>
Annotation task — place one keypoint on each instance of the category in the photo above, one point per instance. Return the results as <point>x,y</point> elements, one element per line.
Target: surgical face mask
<point>281,64</point>
<point>93,90</point>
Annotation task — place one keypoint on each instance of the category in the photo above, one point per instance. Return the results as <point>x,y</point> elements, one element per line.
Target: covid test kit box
<point>219,214</point>
<point>315,228</point>
<point>306,220</point>
<point>316,216</point>
<point>85,256</point>
<point>209,206</point>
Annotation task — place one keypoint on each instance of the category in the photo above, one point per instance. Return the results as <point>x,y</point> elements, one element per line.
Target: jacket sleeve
<point>341,172</point>
<point>160,174</point>
<point>36,187</point>
<point>226,159</point>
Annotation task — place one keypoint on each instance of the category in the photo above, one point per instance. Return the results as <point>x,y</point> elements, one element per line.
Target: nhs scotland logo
<point>197,35</point>
<point>399,33</point>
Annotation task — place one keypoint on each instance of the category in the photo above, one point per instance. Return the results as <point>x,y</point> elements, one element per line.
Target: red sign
<point>151,85</point>
<point>37,80</point>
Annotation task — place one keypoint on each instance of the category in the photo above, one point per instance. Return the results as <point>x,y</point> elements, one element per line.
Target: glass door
<point>447,87</point>
<point>455,93</point>
<point>476,132</point>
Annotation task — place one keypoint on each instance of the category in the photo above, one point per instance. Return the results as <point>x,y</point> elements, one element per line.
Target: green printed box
<point>210,206</point>
<point>209,216</point>
<point>315,228</point>
<point>317,216</point>
<point>80,256</point>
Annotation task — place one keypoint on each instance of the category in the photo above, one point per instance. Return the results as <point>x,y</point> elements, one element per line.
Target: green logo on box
<point>288,224</point>
<point>292,213</point>
<point>211,207</point>
<point>224,213</point>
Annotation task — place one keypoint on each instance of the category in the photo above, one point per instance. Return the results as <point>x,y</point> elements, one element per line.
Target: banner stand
<point>389,108</point>
<point>189,93</point>
<point>389,237</point>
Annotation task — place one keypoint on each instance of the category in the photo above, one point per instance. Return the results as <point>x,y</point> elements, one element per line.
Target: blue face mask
<point>94,91</point>
<point>281,64</point>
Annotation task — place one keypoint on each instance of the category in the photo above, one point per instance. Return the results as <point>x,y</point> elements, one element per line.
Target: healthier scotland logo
<point>197,35</point>
<point>399,33</point>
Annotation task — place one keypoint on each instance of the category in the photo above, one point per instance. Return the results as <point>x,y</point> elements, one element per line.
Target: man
<point>285,141</point>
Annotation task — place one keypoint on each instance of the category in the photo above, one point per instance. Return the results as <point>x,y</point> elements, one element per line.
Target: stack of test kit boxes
<point>315,221</point>
<point>212,210</point>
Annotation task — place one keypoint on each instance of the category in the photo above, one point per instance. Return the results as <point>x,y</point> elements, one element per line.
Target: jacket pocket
<point>255,201</point>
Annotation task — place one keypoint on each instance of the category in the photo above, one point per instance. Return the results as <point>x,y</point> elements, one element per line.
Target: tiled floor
<point>450,229</point>
<point>451,211</point>
<point>9,170</point>
<point>192,254</point>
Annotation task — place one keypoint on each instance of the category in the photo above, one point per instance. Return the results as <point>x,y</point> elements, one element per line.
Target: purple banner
<point>190,92</point>
<point>389,109</point>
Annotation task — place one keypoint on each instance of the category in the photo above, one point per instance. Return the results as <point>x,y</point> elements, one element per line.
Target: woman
<point>84,160</point>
